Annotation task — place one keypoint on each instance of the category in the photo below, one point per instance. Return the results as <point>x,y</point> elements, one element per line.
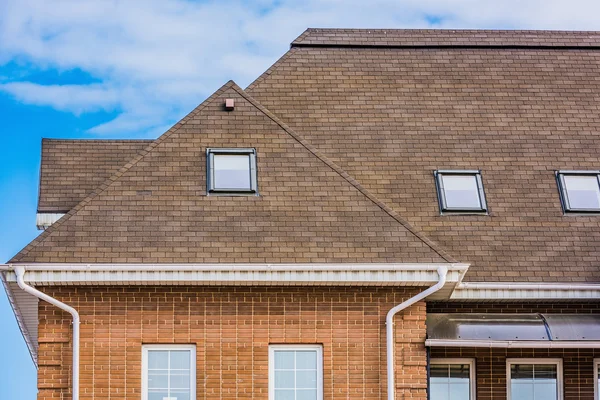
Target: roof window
<point>579,190</point>
<point>231,171</point>
<point>460,191</point>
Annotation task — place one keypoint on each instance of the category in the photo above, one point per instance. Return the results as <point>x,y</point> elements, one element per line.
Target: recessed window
<point>452,379</point>
<point>539,379</point>
<point>295,372</point>
<point>231,170</point>
<point>168,372</point>
<point>580,190</point>
<point>460,191</point>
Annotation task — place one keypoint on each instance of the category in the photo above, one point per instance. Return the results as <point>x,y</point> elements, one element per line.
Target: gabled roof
<point>155,208</point>
<point>72,169</point>
<point>392,106</point>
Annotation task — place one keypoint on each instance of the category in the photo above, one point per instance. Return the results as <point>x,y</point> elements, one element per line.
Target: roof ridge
<point>85,140</point>
<point>340,171</point>
<point>107,183</point>
<point>447,38</point>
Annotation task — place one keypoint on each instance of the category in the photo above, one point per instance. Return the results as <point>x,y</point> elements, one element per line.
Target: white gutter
<point>399,274</point>
<point>20,272</point>
<point>515,344</point>
<point>389,322</point>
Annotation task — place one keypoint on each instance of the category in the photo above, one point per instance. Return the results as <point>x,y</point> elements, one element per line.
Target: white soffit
<point>525,291</point>
<point>45,220</point>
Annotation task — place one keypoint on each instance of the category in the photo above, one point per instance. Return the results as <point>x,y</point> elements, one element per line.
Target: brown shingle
<point>307,211</point>
<point>72,169</point>
<point>391,116</point>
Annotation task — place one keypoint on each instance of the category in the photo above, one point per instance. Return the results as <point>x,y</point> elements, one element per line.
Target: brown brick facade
<point>232,328</point>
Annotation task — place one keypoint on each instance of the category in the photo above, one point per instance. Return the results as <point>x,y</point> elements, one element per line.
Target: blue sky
<point>130,69</point>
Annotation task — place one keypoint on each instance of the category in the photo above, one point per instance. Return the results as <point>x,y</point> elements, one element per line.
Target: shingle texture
<point>155,209</point>
<point>72,169</point>
<point>353,125</point>
<point>391,116</point>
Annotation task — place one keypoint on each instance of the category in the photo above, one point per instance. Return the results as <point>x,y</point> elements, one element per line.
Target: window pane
<point>521,371</point>
<point>545,371</point>
<point>285,395</point>
<point>158,359</point>
<point>439,391</point>
<point>306,379</point>
<point>158,380</point>
<point>157,395</point>
<point>521,391</point>
<point>180,359</point>
<point>306,394</point>
<point>284,380</point>
<point>533,382</point>
<point>180,381</point>
<point>450,381</point>
<point>459,391</point>
<point>439,371</point>
<point>306,360</point>
<point>582,191</point>
<point>459,371</point>
<point>232,171</point>
<point>460,191</point>
<point>180,395</point>
<point>284,360</point>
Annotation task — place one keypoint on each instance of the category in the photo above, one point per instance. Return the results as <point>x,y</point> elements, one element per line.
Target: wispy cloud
<point>157,59</point>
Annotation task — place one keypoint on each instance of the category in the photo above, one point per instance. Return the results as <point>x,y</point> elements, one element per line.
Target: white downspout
<point>20,272</point>
<point>389,322</point>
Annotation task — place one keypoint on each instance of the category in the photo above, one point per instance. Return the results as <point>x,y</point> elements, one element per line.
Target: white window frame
<point>210,171</point>
<point>472,375</point>
<point>551,361</point>
<point>439,182</point>
<point>295,347</point>
<point>564,196</point>
<point>596,377</point>
<point>168,347</point>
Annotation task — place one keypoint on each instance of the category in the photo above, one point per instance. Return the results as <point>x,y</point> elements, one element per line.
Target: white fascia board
<point>45,220</point>
<point>238,274</point>
<point>466,291</point>
<point>515,344</point>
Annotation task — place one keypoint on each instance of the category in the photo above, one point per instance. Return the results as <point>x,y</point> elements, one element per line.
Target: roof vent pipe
<point>20,272</point>
<point>389,322</point>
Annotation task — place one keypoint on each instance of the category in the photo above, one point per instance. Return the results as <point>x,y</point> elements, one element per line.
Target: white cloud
<point>157,59</point>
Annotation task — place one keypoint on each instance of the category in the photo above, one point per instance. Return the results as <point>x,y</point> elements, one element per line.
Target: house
<point>400,214</point>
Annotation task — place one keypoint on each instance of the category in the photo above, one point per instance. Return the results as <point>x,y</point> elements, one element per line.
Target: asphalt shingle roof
<point>350,127</point>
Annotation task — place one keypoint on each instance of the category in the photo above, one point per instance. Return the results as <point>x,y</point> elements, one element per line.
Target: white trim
<point>45,220</point>
<point>596,378</point>
<point>515,344</point>
<point>467,291</point>
<point>168,347</point>
<point>472,378</point>
<point>553,361</point>
<point>295,347</point>
<point>239,274</point>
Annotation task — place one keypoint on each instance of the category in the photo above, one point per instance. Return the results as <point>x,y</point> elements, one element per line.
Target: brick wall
<point>232,328</point>
<point>490,366</point>
<point>578,372</point>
